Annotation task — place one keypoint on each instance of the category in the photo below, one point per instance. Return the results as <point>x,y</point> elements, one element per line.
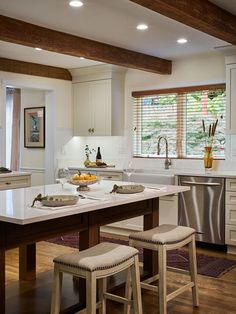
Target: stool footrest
<point>178,270</point>
<point>179,291</point>
<point>147,286</point>
<point>151,279</point>
<point>84,311</point>
<point>117,298</point>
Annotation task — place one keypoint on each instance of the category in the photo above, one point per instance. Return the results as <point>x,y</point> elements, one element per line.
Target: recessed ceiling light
<point>39,49</point>
<point>182,41</point>
<point>81,58</point>
<point>76,3</point>
<point>142,27</point>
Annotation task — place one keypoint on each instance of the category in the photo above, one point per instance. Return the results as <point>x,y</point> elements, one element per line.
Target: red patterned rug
<point>207,265</point>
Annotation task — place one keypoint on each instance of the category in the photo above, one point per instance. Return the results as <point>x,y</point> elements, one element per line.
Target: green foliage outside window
<point>179,118</point>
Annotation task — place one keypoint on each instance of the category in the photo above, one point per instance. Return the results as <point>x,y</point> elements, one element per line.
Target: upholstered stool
<point>162,239</point>
<point>99,262</point>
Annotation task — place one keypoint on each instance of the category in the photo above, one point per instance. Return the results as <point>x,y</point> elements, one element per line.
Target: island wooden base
<point>87,224</point>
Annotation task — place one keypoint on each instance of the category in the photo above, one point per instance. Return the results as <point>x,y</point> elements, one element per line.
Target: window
<point>177,114</point>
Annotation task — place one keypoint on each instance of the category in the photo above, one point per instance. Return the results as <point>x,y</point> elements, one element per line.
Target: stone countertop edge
<point>201,173</point>
<point>15,174</point>
<point>107,169</point>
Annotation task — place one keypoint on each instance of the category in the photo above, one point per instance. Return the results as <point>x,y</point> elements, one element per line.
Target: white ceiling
<point>109,21</point>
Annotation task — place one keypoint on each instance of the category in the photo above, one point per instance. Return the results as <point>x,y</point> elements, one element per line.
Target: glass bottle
<point>98,156</point>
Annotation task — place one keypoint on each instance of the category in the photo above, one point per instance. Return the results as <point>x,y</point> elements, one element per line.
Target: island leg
<point>150,258</point>
<point>2,281</point>
<point>27,261</point>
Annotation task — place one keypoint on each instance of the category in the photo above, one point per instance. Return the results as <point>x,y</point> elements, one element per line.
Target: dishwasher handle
<point>201,183</point>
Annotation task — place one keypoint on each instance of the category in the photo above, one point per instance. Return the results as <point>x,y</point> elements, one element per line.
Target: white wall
<point>198,70</point>
<point>32,159</point>
<point>58,100</point>
<point>64,150</point>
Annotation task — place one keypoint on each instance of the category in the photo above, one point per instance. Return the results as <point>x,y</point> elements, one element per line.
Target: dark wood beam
<point>20,32</point>
<point>199,14</point>
<point>29,68</point>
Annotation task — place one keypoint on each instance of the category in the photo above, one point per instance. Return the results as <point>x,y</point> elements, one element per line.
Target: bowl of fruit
<point>83,180</point>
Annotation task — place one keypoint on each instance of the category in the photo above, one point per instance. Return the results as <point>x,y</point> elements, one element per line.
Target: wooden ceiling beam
<point>29,68</point>
<point>23,33</point>
<point>199,14</point>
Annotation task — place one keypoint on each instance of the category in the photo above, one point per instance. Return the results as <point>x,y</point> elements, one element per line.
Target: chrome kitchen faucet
<point>167,160</point>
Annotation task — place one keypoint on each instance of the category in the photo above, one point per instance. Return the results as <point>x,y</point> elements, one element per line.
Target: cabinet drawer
<point>230,235</point>
<point>230,215</point>
<point>14,182</point>
<point>230,184</point>
<point>114,176</point>
<point>230,198</point>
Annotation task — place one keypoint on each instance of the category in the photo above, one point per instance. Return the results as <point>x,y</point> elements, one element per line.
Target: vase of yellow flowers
<point>209,135</point>
<point>208,157</point>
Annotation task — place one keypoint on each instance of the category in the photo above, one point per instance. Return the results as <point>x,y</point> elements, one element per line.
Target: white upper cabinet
<point>92,104</point>
<point>231,94</point>
<point>98,97</point>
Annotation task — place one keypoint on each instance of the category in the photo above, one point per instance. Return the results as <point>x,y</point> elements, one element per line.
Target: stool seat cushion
<point>102,256</point>
<point>164,234</point>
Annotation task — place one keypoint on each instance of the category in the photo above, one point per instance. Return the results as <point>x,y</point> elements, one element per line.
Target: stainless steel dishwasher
<point>203,207</point>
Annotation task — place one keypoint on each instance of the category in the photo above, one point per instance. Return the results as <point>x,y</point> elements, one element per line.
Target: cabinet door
<point>231,97</point>
<point>114,176</point>
<point>82,108</point>
<point>15,182</point>
<point>92,108</point>
<point>101,107</point>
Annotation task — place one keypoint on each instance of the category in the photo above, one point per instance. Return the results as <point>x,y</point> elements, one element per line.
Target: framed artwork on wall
<point>34,127</point>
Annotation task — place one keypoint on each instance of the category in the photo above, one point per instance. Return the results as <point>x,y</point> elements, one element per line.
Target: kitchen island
<point>22,226</point>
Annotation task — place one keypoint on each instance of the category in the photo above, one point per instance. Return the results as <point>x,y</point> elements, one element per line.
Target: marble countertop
<point>209,173</point>
<point>106,169</point>
<point>15,205</point>
<point>15,173</point>
<point>171,171</point>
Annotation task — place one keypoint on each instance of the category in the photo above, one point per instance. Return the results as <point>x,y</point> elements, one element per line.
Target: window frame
<point>178,91</point>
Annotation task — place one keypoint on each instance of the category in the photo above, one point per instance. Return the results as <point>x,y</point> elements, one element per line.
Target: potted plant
<point>88,152</point>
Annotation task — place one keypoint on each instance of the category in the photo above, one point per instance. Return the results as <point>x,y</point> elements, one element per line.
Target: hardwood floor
<point>217,296</point>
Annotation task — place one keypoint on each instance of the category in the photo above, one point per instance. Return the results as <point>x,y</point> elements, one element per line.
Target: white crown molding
<point>96,72</point>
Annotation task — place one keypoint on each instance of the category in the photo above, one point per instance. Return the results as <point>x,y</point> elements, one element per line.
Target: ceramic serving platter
<point>59,200</point>
<point>129,189</point>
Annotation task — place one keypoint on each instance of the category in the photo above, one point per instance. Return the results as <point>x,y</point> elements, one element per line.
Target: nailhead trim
<point>97,268</point>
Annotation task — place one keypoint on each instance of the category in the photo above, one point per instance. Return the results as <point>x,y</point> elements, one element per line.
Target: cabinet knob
<point>89,130</point>
<point>92,130</point>
<point>8,183</point>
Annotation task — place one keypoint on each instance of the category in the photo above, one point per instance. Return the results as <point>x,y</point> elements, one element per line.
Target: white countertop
<point>15,205</point>
<point>209,173</point>
<point>15,173</point>
<point>171,171</point>
<point>87,169</point>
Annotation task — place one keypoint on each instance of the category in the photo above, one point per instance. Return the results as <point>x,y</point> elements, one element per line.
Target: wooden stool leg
<point>135,275</point>
<point>56,291</point>
<point>91,294</point>
<point>102,286</point>
<point>128,292</point>
<point>162,279</point>
<point>193,270</point>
